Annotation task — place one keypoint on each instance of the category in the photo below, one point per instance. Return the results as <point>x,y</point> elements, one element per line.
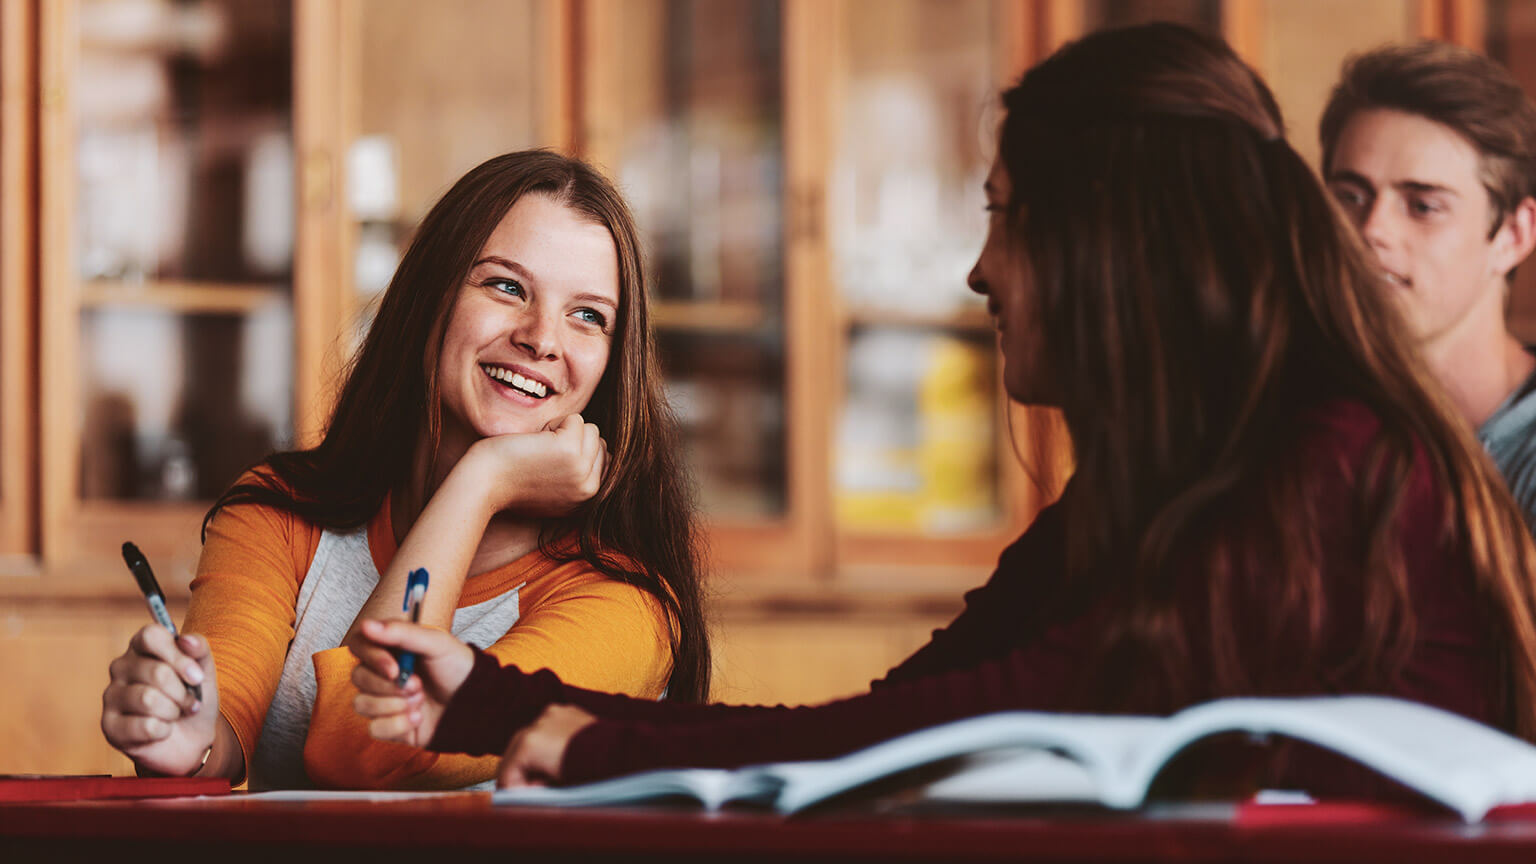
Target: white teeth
<point>529,385</point>
<point>526,385</point>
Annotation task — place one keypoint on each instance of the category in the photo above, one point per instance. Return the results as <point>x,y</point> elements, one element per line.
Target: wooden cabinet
<point>200,201</point>
<point>165,271</point>
<point>807,176</point>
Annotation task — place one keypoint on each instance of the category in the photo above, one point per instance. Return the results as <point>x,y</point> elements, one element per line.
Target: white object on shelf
<point>268,223</point>
<point>373,179</point>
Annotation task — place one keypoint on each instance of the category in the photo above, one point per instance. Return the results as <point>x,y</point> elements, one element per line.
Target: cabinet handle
<point>805,213</point>
<point>317,180</point>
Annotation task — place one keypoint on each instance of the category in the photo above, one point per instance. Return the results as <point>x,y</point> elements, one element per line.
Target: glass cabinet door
<point>683,109</point>
<point>920,447</point>
<point>168,224</point>
<point>430,94</point>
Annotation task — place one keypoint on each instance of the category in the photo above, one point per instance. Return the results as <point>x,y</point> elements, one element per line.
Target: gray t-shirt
<point>1510,436</point>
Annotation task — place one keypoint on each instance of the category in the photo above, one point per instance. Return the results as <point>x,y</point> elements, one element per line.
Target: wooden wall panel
<point>798,660</point>
<point>56,662</point>
<point>1305,42</point>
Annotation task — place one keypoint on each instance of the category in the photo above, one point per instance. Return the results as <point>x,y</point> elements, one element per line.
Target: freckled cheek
<point>587,363</point>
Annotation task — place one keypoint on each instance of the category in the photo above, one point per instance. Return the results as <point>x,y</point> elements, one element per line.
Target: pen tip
<point>130,551</point>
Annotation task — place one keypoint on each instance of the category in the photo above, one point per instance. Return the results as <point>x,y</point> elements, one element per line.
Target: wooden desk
<point>236,829</point>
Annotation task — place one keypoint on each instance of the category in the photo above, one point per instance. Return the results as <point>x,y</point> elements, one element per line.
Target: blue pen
<point>415,591</point>
<point>151,589</point>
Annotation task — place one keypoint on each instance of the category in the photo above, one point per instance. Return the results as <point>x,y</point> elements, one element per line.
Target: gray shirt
<point>1510,436</point>
<point>339,581</point>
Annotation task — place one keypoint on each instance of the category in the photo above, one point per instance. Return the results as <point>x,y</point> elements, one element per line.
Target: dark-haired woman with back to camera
<point>503,428</point>
<point>1268,498</point>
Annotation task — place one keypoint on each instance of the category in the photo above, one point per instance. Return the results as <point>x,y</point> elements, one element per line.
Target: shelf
<point>196,298</point>
<point>708,317</point>
<point>969,319</point>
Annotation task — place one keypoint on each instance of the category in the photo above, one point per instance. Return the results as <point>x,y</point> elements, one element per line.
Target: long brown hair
<point>640,527</point>
<point>1197,292</point>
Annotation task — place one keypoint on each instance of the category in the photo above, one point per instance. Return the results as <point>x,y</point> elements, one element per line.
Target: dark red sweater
<point>1004,653</point>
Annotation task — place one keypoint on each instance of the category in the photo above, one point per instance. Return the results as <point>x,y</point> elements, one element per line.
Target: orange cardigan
<point>590,630</point>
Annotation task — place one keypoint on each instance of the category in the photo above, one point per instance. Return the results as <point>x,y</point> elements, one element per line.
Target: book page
<point>1102,745</point>
<point>1014,776</point>
<point>712,788</point>
<point>1458,762</point>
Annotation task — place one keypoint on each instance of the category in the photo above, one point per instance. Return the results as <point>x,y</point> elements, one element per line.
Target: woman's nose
<point>537,336</point>
<point>974,280</point>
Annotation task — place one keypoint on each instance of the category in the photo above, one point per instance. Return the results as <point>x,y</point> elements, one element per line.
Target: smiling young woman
<point>503,427</point>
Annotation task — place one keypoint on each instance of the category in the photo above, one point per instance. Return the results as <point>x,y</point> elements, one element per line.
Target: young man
<point>1431,149</point>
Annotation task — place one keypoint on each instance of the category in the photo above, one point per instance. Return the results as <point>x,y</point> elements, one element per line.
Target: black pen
<point>147,584</point>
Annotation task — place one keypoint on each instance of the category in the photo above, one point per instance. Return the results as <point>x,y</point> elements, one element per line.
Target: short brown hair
<point>1452,86</point>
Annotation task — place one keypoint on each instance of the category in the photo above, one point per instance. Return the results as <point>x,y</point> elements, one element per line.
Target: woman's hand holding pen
<point>148,711</point>
<point>541,474</point>
<point>407,714</point>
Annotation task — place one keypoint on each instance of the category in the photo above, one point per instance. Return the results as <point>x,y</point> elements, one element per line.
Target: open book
<point>1111,760</point>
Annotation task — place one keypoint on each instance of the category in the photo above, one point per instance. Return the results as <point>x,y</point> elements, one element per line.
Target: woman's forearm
<point>443,540</point>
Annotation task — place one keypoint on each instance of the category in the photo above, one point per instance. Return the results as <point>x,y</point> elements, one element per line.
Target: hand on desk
<point>406,714</point>
<point>533,757</point>
<point>147,710</point>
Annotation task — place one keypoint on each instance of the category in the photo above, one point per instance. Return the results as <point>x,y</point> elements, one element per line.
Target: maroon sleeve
<point>1043,676</point>
<point>495,701</point>
<point>1000,616</point>
<point>1450,663</point>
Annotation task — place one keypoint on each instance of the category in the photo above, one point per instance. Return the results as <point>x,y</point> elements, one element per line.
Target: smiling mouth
<point>525,386</point>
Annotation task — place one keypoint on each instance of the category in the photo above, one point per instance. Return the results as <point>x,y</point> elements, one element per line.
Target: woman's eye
<point>592,316</point>
<point>510,287</point>
<point>1423,208</point>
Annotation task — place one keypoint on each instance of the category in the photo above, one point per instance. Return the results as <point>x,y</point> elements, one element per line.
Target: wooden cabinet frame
<point>80,539</point>
<point>18,259</point>
<point>803,551</point>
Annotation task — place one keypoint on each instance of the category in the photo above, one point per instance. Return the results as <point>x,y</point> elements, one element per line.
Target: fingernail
<point>193,674</point>
<point>196,707</point>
